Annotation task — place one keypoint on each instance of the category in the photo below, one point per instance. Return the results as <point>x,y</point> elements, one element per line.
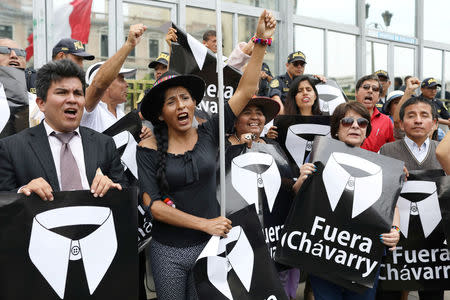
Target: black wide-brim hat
<point>153,101</point>
<point>270,108</point>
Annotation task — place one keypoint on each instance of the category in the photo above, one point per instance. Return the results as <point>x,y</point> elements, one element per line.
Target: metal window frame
<point>42,20</point>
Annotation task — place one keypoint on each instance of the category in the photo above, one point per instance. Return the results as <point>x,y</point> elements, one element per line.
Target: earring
<point>160,118</point>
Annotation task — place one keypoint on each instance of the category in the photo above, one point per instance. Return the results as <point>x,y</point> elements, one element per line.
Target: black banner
<point>75,247</point>
<point>330,96</point>
<point>189,56</point>
<point>333,228</point>
<point>239,266</point>
<point>422,259</point>
<point>262,176</point>
<point>296,135</point>
<point>125,133</point>
<point>131,122</point>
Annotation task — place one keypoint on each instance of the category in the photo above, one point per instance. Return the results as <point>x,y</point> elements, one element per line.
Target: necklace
<point>238,139</point>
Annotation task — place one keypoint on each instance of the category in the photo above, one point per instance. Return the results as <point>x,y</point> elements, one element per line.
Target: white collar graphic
<point>198,50</point>
<point>246,182</point>
<point>428,209</point>
<point>240,259</point>
<point>297,145</point>
<point>128,157</point>
<point>366,190</point>
<point>328,105</point>
<point>4,108</point>
<point>51,252</point>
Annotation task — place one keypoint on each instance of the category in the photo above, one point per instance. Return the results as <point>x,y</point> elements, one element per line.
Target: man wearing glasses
<point>11,55</point>
<point>368,89</point>
<point>429,89</point>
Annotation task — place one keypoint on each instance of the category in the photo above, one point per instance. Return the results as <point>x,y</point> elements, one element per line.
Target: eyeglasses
<point>374,87</point>
<point>7,50</point>
<point>434,88</point>
<point>348,121</point>
<point>298,63</point>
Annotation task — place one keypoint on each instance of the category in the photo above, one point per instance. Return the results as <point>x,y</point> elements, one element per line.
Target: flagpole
<point>221,106</point>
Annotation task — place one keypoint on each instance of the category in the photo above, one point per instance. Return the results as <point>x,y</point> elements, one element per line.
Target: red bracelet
<point>396,228</point>
<point>263,42</point>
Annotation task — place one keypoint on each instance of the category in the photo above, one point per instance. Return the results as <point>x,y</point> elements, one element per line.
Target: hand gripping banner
<point>422,259</point>
<point>75,247</point>
<point>334,224</point>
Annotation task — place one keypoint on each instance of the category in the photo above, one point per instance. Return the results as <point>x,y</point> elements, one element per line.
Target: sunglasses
<point>298,63</point>
<point>7,50</point>
<point>374,87</point>
<point>348,121</point>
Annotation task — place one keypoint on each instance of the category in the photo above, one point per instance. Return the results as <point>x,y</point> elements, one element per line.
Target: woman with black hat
<point>177,169</point>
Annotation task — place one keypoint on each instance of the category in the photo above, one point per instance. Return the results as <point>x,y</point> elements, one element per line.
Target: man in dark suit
<point>58,154</point>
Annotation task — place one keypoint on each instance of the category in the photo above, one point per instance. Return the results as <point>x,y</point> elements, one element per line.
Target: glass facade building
<point>341,39</point>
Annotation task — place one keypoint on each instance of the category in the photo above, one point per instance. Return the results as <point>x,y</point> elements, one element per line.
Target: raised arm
<point>249,81</point>
<point>443,153</point>
<point>110,69</point>
<point>412,84</point>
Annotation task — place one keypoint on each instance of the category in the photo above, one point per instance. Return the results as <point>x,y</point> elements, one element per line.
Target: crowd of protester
<point>69,108</point>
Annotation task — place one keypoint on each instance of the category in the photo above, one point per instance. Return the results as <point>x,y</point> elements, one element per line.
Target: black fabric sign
<point>14,85</point>
<point>131,122</point>
<point>189,56</point>
<point>333,228</point>
<point>330,96</point>
<point>421,260</point>
<point>75,247</point>
<point>262,176</point>
<point>126,145</point>
<point>296,135</point>
<point>239,266</point>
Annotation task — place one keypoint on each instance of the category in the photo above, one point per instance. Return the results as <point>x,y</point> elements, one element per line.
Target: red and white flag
<point>71,18</point>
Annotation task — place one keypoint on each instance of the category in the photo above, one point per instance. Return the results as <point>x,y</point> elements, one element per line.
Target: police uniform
<point>381,104</point>
<point>441,109</point>
<point>440,106</point>
<point>280,85</point>
<point>264,87</point>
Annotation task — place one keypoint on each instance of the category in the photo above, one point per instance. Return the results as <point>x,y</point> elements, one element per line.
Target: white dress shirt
<point>101,118</point>
<point>419,152</point>
<point>76,146</point>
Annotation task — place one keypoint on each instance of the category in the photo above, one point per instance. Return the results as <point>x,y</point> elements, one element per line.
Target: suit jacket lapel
<point>90,153</point>
<point>41,147</point>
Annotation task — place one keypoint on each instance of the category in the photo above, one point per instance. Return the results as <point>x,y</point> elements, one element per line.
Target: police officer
<point>71,49</point>
<point>264,81</point>
<point>383,76</point>
<point>161,64</point>
<point>295,66</point>
<point>429,88</point>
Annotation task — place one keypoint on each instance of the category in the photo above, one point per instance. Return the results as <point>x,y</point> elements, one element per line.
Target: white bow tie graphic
<point>51,252</point>
<point>240,259</point>
<point>297,145</point>
<point>246,182</point>
<point>329,97</point>
<point>366,190</point>
<point>428,209</point>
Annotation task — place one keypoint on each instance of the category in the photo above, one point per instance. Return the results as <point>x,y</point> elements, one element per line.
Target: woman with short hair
<point>350,123</point>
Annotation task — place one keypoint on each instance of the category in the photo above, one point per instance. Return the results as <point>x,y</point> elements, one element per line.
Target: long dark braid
<point>162,139</point>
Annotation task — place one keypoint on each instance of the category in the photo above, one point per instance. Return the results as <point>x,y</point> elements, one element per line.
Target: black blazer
<point>26,156</point>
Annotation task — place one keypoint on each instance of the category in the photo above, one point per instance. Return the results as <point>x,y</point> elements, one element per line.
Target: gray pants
<point>172,270</point>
